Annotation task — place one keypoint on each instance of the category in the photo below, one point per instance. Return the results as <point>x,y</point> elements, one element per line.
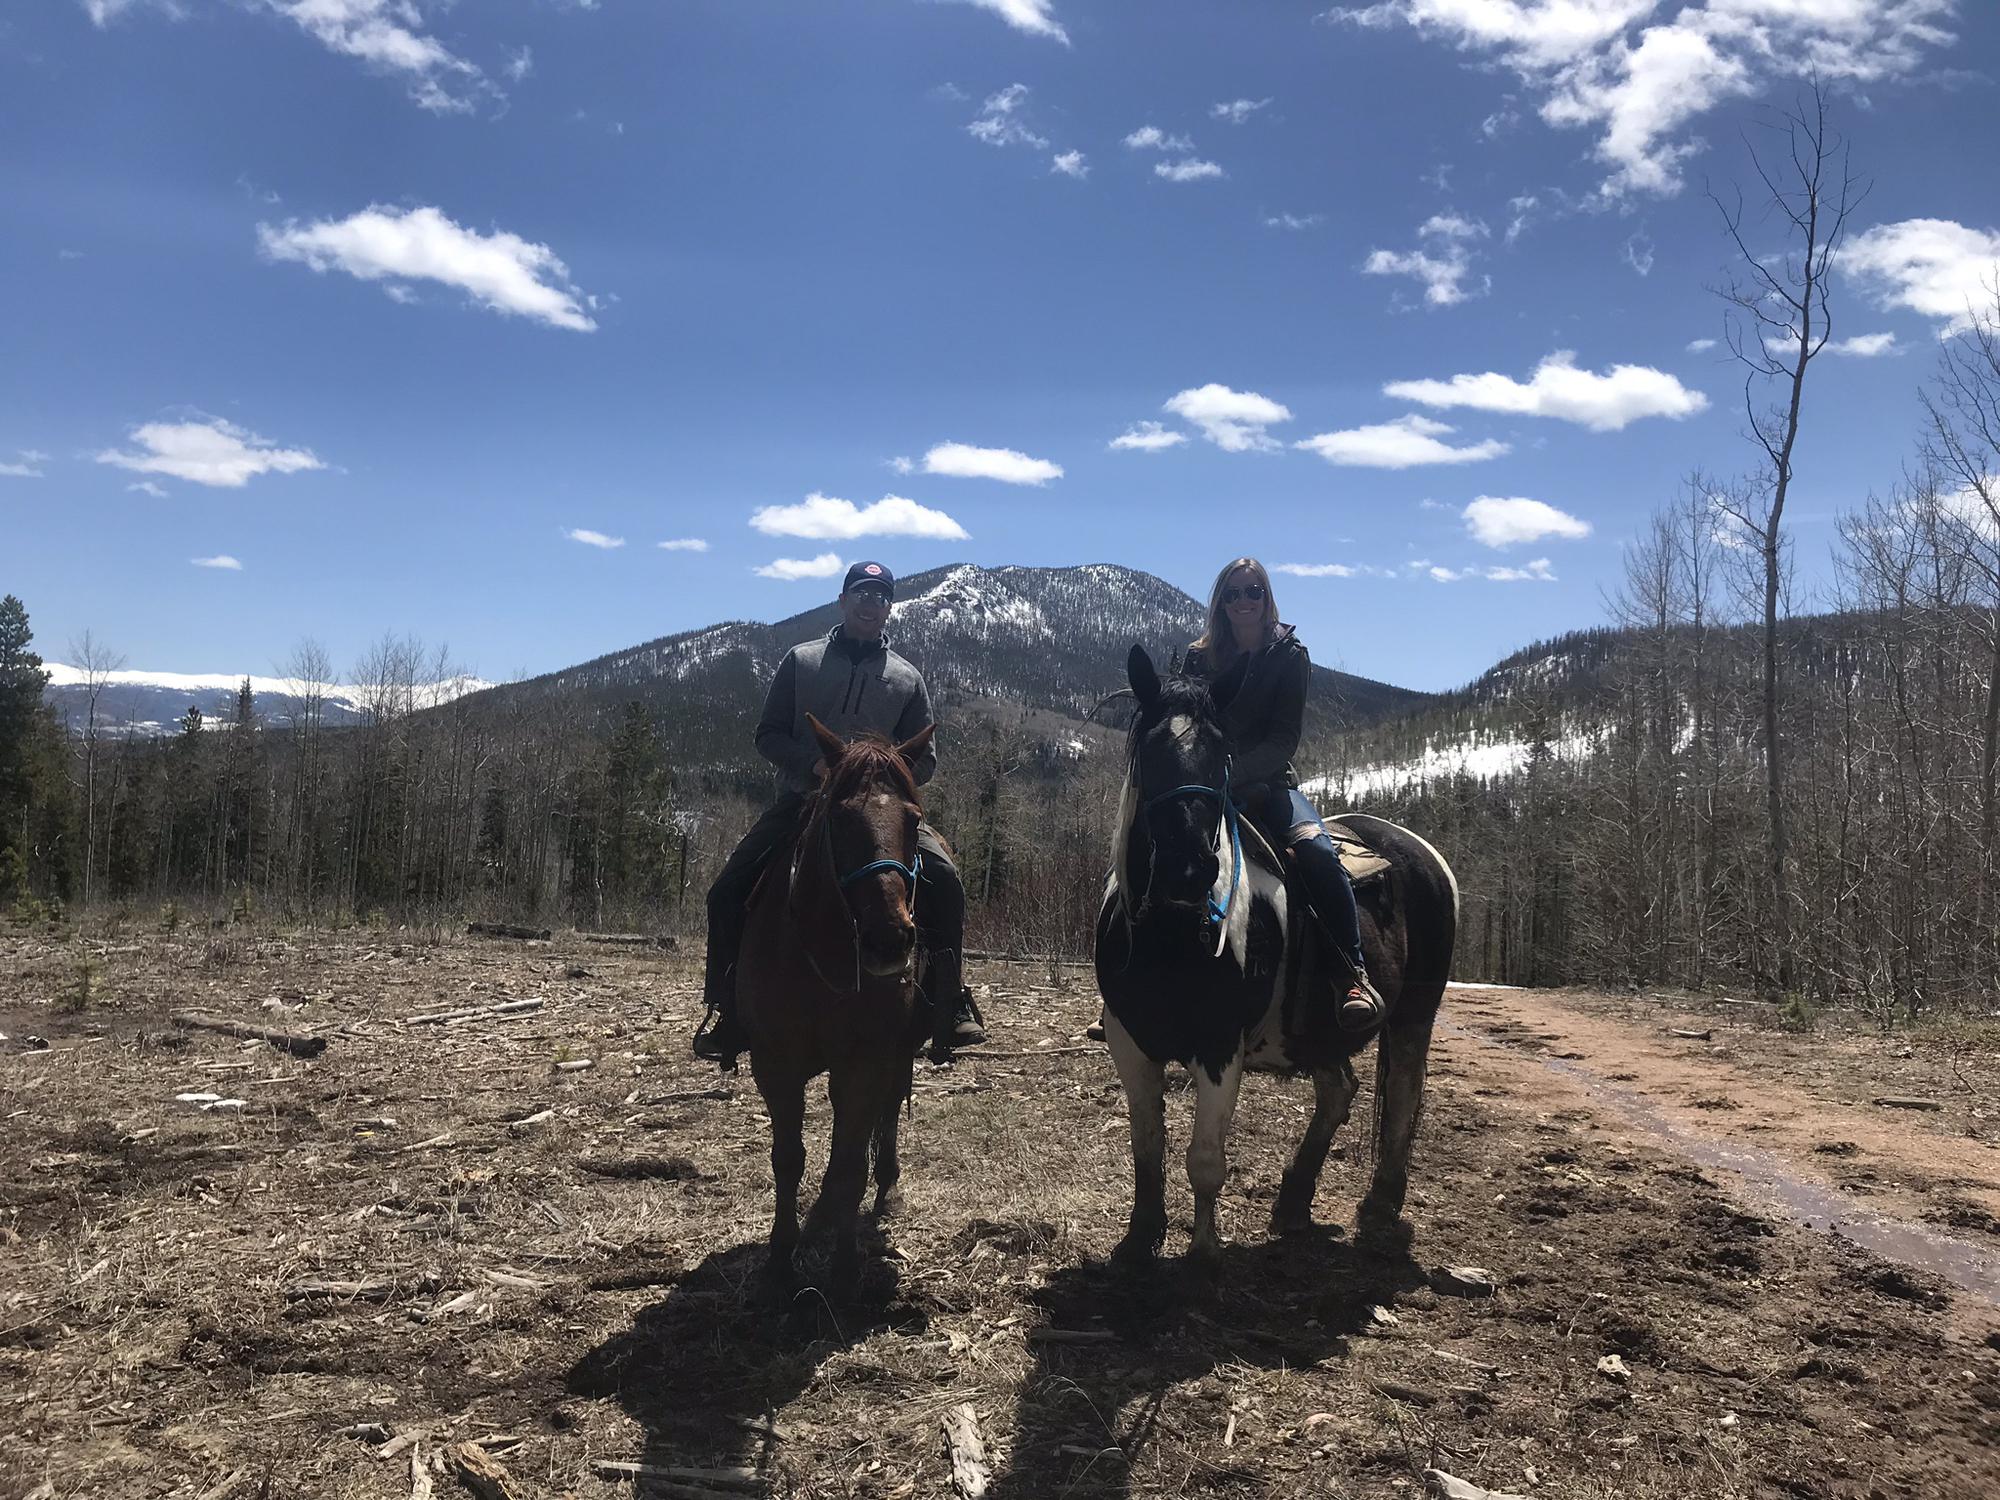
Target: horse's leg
<point>1146,1097</point>
<point>1207,1153</point>
<point>859,1095</point>
<point>1403,1056</point>
<point>785,1103</point>
<point>888,1168</point>
<point>1333,1093</point>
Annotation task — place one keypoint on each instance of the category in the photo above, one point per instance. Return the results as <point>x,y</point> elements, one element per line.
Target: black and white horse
<point>1203,960</point>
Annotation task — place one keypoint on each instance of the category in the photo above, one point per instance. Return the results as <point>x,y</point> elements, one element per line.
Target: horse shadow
<point>1091,1408</point>
<point>707,1370</point>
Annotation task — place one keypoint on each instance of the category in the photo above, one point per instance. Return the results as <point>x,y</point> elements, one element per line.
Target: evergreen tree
<point>21,683</point>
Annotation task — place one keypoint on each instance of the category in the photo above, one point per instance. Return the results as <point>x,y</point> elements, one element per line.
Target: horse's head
<point>870,812</point>
<point>1176,779</point>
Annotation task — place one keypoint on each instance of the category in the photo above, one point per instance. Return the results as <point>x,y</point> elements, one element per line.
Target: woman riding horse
<point>1259,667</point>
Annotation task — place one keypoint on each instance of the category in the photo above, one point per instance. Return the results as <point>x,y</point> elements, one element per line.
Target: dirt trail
<point>1918,1186</point>
<point>542,1229</point>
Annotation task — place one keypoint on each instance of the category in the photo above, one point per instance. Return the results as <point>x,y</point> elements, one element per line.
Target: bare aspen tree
<point>1781,323</point>
<point>97,662</point>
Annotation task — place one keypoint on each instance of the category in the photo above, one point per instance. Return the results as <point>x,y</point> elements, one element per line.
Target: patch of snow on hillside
<point>1474,756</point>
<point>352,696</point>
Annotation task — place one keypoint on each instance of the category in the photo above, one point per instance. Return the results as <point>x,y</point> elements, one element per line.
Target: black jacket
<point>1266,712</point>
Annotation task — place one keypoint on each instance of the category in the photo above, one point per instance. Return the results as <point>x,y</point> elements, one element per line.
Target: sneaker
<point>721,1039</point>
<point>1360,1008</point>
<point>965,1028</point>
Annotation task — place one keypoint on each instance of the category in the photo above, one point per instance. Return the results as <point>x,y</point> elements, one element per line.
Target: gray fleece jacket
<point>850,686</point>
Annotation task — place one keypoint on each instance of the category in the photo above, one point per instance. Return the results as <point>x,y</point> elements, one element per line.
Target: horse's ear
<point>916,744</point>
<point>1139,672</point>
<point>831,745</point>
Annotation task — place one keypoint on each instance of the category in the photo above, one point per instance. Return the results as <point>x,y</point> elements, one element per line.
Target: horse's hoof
<point>1206,1255</point>
<point>1137,1251</point>
<point>781,1280</point>
<point>888,1201</point>
<point>1381,1222</point>
<point>1289,1223</point>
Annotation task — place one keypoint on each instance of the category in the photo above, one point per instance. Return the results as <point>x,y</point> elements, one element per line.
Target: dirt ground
<point>560,1261</point>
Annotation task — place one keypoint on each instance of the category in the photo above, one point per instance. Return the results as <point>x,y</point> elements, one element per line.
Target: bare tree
<point>97,662</point>
<point>1781,322</point>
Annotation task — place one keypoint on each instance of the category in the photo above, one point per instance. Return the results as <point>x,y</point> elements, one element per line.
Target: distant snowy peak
<point>141,702</point>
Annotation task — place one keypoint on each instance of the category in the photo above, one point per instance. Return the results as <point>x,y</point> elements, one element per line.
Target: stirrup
<point>1361,1007</point>
<point>724,1052</point>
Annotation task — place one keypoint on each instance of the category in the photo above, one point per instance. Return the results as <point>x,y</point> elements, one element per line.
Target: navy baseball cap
<point>870,572</point>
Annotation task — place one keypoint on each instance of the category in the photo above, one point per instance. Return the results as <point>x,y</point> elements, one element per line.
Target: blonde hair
<point>1218,641</point>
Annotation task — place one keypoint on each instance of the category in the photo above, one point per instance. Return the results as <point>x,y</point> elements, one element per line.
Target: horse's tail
<point>1426,895</point>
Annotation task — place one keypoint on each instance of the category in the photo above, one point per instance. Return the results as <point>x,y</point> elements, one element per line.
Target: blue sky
<point>386,302</point>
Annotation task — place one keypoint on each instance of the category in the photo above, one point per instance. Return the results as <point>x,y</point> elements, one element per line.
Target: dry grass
<point>151,1343</point>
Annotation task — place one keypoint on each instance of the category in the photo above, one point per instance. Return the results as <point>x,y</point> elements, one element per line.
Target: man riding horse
<point>854,685</point>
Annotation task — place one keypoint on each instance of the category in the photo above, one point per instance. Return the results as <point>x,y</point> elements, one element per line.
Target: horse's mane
<point>867,756</point>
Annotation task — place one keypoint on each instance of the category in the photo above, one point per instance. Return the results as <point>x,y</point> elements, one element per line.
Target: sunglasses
<point>1254,592</point>
<point>871,592</point>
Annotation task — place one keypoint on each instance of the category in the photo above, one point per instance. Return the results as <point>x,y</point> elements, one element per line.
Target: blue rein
<point>1217,914</point>
<point>909,871</point>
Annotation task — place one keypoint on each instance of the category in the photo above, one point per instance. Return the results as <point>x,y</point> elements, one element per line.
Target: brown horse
<point>825,984</point>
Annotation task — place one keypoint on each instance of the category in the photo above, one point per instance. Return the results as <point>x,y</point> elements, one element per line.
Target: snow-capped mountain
<point>144,703</point>
<point>1053,639</point>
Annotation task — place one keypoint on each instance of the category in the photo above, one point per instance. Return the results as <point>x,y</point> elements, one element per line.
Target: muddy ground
<point>560,1261</point>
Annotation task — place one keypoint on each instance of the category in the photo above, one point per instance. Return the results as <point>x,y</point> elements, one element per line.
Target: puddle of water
<point>1969,1267</point>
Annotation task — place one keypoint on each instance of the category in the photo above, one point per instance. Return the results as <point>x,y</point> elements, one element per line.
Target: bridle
<point>1218,912</point>
<point>818,818</point>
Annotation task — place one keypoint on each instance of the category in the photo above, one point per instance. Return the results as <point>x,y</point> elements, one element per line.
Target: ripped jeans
<point>1282,814</point>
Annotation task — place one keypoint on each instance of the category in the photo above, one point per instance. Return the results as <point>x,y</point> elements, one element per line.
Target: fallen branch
<point>507,930</point>
<point>346,1291</point>
<point>1906,1101</point>
<point>742,1481</point>
<point>483,1474</point>
<point>420,1475</point>
<point>298,1043</point>
<point>1071,1336</point>
<point>631,939</point>
<point>969,1472</point>
<point>1693,1036</point>
<point>478,1012</point>
<point>980,1054</point>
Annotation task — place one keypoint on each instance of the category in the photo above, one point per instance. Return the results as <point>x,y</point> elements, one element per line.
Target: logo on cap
<point>874,569</point>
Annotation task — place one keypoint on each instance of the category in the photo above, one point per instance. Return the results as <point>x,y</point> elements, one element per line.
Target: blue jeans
<point>1283,815</point>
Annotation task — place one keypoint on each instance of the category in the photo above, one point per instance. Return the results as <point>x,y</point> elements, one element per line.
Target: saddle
<point>1362,863</point>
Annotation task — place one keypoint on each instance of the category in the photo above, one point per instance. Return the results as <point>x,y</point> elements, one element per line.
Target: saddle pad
<point>1361,862</point>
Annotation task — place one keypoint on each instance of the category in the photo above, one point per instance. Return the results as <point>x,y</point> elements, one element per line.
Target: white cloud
<point>1861,346</point>
<point>501,270</point>
<point>385,35</point>
<point>1070,164</point>
<point>963,461</point>
<point>1637,78</point>
<point>521,64</point>
<point>1149,437</point>
<point>1402,444</point>
<point>1000,124</point>
<point>1316,570</point>
<point>1523,210</point>
<point>1237,110</point>
<point>1537,571</point>
<point>1936,267</point>
<point>1232,420</point>
<point>683,544</point>
<point>211,452</point>
<point>1152,138</point>
<point>593,538</point>
<point>1032,16</point>
<point>103,12</point>
<point>903,464</point>
<point>221,560</point>
<point>1507,522</point>
<point>147,487</point>
<point>1639,253</point>
<point>1865,346</point>
<point>1700,346</point>
<point>30,466</point>
<point>1293,221</point>
<point>824,518</point>
<point>1187,169</point>
<point>1442,262</point>
<point>790,569</point>
<point>1603,403</point>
